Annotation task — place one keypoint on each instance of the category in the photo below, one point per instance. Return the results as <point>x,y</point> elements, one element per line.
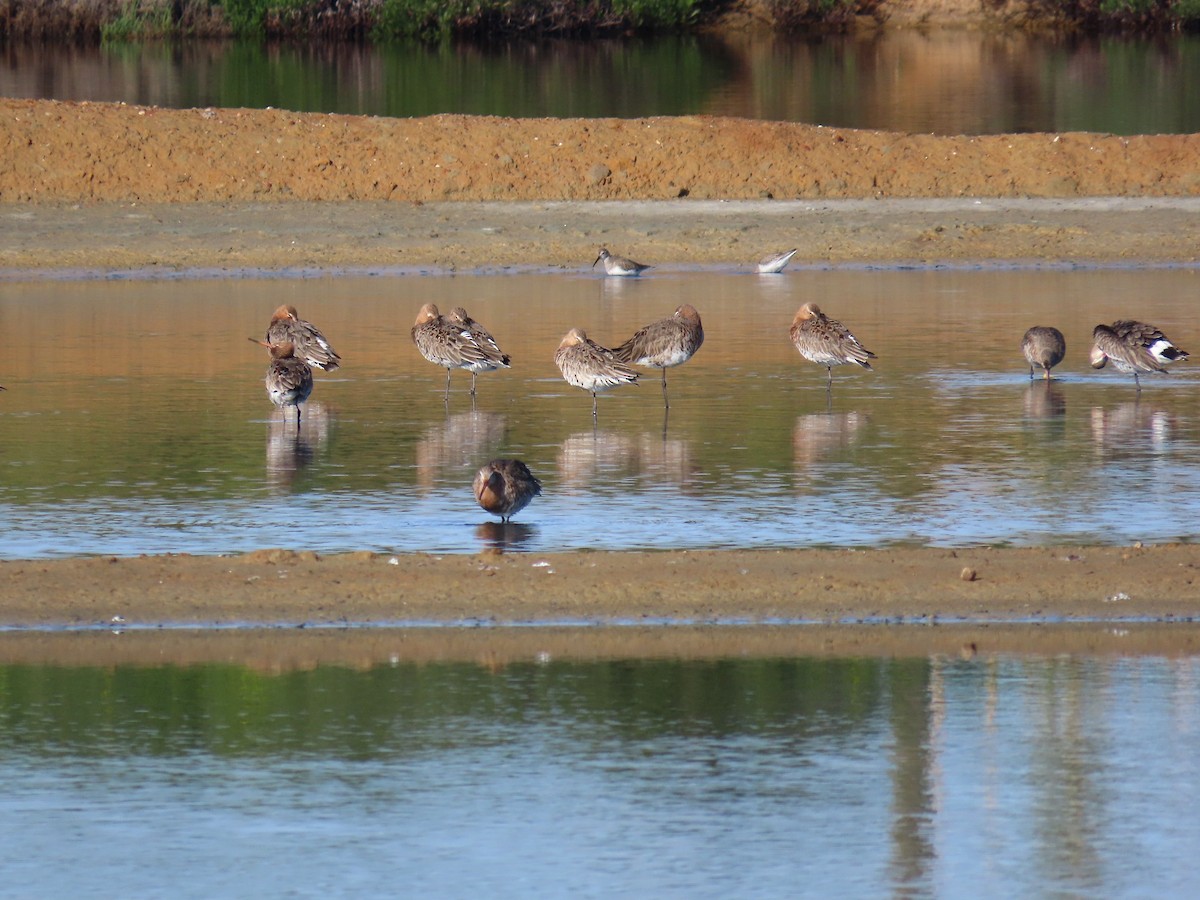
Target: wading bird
<point>619,265</point>
<point>665,343</point>
<point>306,339</point>
<point>585,364</point>
<point>504,487</point>
<point>1133,347</point>
<point>1044,347</point>
<point>825,341</point>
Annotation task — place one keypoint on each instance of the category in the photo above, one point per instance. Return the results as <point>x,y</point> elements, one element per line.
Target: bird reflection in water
<point>503,536</point>
<point>290,451</point>
<point>457,443</point>
<point>587,458</point>
<point>819,435</point>
<point>1044,399</point>
<point>1130,429</point>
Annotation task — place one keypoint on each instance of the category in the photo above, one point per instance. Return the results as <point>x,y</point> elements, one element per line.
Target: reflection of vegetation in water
<point>436,20</point>
<point>404,709</point>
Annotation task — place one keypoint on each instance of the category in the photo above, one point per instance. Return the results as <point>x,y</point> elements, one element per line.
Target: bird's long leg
<point>297,418</point>
<point>1047,374</point>
<point>473,383</point>
<point>447,384</point>
<point>593,405</point>
<point>829,384</point>
<point>666,402</point>
<point>1136,382</point>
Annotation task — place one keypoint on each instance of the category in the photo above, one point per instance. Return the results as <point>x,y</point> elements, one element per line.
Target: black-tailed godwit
<point>306,339</point>
<point>825,341</point>
<point>1133,347</point>
<point>1044,347</point>
<point>504,487</point>
<point>491,356</point>
<point>665,343</point>
<point>585,364</point>
<point>289,379</point>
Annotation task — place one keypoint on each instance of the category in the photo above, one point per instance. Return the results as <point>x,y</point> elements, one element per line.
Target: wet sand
<point>89,189</point>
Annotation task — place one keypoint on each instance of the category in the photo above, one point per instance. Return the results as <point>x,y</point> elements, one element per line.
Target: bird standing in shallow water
<point>826,341</point>
<point>306,339</point>
<point>289,379</point>
<point>665,343</point>
<point>620,265</point>
<point>1133,347</point>
<point>504,487</point>
<point>585,364</point>
<point>491,356</point>
<point>773,264</point>
<point>1044,347</point>
<point>448,345</point>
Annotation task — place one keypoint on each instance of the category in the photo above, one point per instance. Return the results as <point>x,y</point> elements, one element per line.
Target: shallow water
<point>135,419</point>
<point>1000,776</point>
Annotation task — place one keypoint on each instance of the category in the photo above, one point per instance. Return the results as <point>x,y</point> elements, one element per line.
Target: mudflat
<point>88,189</point>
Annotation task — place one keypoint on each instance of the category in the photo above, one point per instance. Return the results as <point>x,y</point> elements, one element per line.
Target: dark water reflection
<point>704,778</point>
<point>144,427</point>
<point>959,81</point>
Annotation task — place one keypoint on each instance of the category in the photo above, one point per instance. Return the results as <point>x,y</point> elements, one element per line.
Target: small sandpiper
<point>770,265</point>
<point>619,265</point>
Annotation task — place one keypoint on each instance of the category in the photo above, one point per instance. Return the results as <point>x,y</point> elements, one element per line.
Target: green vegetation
<point>438,20</point>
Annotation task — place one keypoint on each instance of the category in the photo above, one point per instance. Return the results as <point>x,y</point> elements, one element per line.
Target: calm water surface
<point>135,419</point>
<point>966,81</point>
<point>1007,776</point>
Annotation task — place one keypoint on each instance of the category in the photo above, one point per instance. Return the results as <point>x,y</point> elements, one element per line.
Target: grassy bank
<point>432,20</point>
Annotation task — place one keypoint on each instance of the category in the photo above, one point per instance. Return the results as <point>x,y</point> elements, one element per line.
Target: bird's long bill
<point>598,258</point>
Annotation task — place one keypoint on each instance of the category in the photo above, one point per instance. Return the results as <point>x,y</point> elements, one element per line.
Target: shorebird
<point>491,357</point>
<point>1044,347</point>
<point>665,343</point>
<point>310,345</point>
<point>448,345</point>
<point>504,487</point>
<point>769,265</point>
<point>1133,347</point>
<point>826,341</point>
<point>619,265</point>
<point>289,379</point>
<point>585,364</point>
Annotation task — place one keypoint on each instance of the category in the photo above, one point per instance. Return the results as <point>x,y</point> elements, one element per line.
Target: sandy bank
<point>819,586</point>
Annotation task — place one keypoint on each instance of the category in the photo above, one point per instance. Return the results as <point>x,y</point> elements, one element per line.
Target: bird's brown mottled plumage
<point>1133,347</point>
<point>491,356</point>
<point>585,364</point>
<point>665,343</point>
<point>448,345</point>
<point>306,339</point>
<point>289,379</point>
<point>504,487</point>
<point>1044,347</point>
<point>825,341</point>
